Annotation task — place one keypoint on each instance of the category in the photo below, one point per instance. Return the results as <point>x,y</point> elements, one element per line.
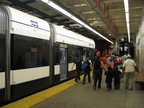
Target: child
<point>117,74</point>
<point>109,75</point>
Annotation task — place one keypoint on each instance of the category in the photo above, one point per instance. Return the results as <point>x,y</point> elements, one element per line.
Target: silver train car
<point>35,54</point>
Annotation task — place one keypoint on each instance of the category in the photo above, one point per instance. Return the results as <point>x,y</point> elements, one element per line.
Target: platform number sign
<point>34,23</point>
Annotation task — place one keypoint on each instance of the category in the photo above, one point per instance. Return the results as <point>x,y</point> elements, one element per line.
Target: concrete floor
<point>83,96</point>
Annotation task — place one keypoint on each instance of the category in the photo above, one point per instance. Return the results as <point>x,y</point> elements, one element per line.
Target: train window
<point>2,51</point>
<point>56,54</point>
<point>74,51</point>
<point>71,53</point>
<point>62,56</point>
<point>79,51</point>
<point>29,52</point>
<point>90,53</point>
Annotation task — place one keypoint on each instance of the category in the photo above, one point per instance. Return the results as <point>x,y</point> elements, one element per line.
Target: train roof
<point>67,36</point>
<point>25,24</point>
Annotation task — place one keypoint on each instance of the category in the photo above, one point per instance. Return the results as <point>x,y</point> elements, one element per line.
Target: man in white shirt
<point>129,70</point>
<point>123,58</point>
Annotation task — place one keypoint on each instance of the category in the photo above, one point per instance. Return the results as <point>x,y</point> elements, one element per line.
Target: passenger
<point>109,75</point>
<point>123,58</point>
<point>87,70</point>
<point>108,60</point>
<point>117,78</point>
<point>111,64</point>
<point>112,56</point>
<point>94,59</point>
<point>78,63</point>
<point>129,70</point>
<point>119,62</point>
<point>97,72</point>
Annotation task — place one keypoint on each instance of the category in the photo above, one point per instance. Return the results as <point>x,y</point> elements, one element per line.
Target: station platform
<point>71,94</point>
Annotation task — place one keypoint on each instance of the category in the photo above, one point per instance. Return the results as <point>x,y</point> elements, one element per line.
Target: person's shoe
<point>108,89</point>
<point>94,87</point>
<point>83,83</point>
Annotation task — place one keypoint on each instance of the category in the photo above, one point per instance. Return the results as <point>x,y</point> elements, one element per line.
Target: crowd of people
<point>115,68</point>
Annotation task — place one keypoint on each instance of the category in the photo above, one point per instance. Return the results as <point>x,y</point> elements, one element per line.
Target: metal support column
<point>51,56</point>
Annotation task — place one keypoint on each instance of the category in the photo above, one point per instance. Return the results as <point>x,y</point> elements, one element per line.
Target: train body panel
<point>57,69</point>
<point>2,80</point>
<point>30,74</point>
<point>69,67</point>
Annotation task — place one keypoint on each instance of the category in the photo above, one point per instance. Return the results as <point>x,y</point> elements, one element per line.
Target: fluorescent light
<point>77,20</point>
<point>79,5</point>
<point>58,8</point>
<point>127,17</point>
<point>75,25</point>
<point>45,1</point>
<point>128,27</point>
<point>126,5</point>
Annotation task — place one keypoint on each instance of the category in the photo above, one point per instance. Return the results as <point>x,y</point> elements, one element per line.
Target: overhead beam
<point>29,1</point>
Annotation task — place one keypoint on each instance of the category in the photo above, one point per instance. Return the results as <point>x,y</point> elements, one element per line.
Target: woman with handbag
<point>97,72</point>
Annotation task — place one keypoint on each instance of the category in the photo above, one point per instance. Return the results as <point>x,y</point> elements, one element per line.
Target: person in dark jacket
<point>87,70</point>
<point>109,76</point>
<point>117,74</point>
<point>78,63</point>
<point>97,72</point>
<point>94,59</point>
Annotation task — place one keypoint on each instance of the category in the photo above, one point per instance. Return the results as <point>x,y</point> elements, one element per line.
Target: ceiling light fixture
<point>58,8</point>
<point>79,5</point>
<point>126,5</point>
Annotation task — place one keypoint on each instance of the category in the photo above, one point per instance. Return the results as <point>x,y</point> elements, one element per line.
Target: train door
<point>63,62</point>
<point>4,57</point>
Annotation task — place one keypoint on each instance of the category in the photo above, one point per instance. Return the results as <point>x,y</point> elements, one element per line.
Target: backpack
<point>83,66</point>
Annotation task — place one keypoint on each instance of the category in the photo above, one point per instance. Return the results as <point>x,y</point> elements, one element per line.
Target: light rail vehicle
<point>35,54</point>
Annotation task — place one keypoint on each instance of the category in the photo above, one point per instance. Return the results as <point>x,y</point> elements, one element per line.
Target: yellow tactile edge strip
<point>40,96</point>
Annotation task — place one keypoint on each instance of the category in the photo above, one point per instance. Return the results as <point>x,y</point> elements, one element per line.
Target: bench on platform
<point>139,78</point>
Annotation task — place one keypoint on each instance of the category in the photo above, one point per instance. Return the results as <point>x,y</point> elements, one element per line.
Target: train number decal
<point>34,23</point>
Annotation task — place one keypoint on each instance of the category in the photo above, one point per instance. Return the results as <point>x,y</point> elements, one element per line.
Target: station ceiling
<point>105,16</point>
